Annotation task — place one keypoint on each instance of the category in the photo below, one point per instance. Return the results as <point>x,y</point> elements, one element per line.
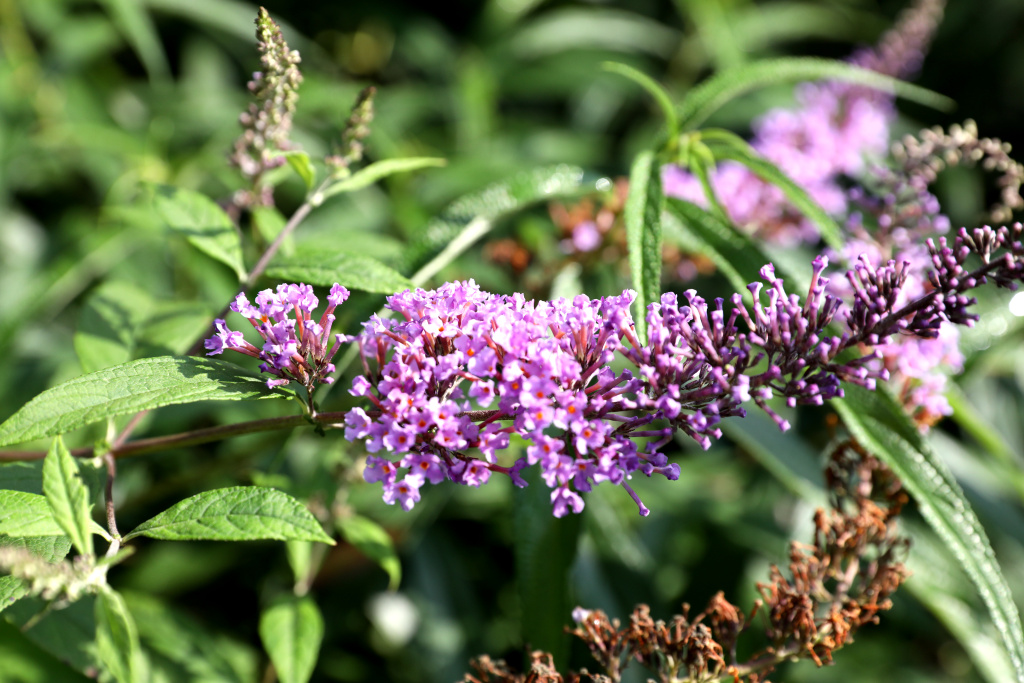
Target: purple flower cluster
<point>298,348</point>
<point>463,369</point>
<point>830,135</point>
<point>831,132</point>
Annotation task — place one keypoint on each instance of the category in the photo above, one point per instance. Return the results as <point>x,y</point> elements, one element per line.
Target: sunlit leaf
<point>129,388</point>
<point>354,271</point>
<point>239,513</point>
<point>68,496</point>
<point>375,172</point>
<point>710,95</point>
<point>642,216</point>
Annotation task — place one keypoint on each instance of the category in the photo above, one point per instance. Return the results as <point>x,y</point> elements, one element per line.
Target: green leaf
<point>129,388</point>
<point>22,476</point>
<point>545,548</point>
<point>709,96</point>
<point>300,163</point>
<point>12,589</point>
<point>203,223</point>
<point>239,513</point>
<point>27,514</point>
<point>354,271</point>
<point>204,655</point>
<point>67,496</point>
<point>137,26</point>
<point>117,640</point>
<point>374,542</point>
<point>471,217</point>
<point>378,170</point>
<point>68,634</point>
<point>108,324</point>
<point>291,631</point>
<point>50,548</point>
<point>879,423</point>
<point>668,110</point>
<point>693,229</point>
<point>642,215</point>
<point>727,145</point>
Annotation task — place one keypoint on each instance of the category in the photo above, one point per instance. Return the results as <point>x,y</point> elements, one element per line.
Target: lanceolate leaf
<point>377,171</point>
<point>117,640</point>
<point>710,95</point>
<point>643,234</point>
<point>374,542</point>
<point>733,252</point>
<point>879,423</point>
<point>129,388</point>
<point>545,548</point>
<point>471,217</point>
<point>291,631</point>
<point>726,145</point>
<point>652,87</point>
<point>67,496</point>
<point>203,223</point>
<point>26,514</point>
<point>240,513</point>
<point>354,271</point>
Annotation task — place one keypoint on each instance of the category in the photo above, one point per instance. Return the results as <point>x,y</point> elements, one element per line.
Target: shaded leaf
<point>545,548</point>
<point>204,655</point>
<point>879,423</point>
<point>137,26</point>
<point>129,388</point>
<point>696,231</point>
<point>291,631</point>
<point>108,323</point>
<point>239,513</point>
<point>374,542</point>
<point>67,496</point>
<point>203,223</point>
<point>711,94</point>
<point>642,215</point>
<point>117,640</point>
<point>355,271</point>
<point>68,634</point>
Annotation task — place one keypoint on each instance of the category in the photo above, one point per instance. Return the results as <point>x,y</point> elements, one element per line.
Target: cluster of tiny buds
<point>266,124</point>
<point>357,129</point>
<point>457,372</point>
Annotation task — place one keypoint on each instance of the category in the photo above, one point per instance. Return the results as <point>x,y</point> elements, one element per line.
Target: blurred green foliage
<point>99,100</point>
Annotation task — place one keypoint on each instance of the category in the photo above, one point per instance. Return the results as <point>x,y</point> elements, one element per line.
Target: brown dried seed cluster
<point>833,586</point>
